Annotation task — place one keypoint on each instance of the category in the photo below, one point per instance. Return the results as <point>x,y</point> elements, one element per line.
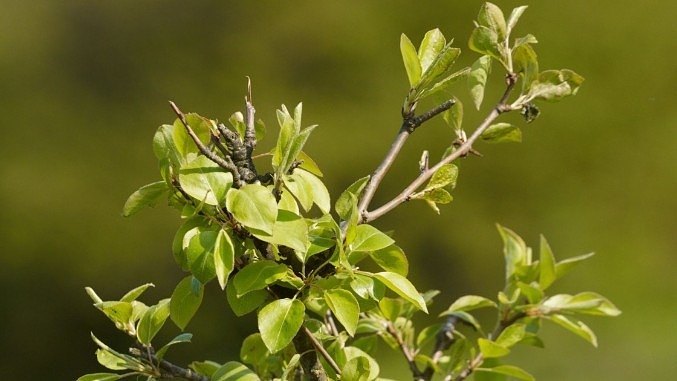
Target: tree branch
<point>223,163</point>
<point>250,132</point>
<point>319,348</point>
<point>167,369</point>
<point>409,124</point>
<point>444,339</point>
<point>406,351</point>
<point>462,150</point>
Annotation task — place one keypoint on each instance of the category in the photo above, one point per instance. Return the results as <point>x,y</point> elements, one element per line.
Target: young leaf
<point>485,41</point>
<point>525,62</point>
<point>254,206</point>
<point>563,267</point>
<point>491,349</point>
<point>237,121</point>
<point>432,44</point>
<point>575,326</point>
<point>547,274</point>
<point>411,61</point>
<point>185,301</point>
<point>234,371</point>
<point>454,116</point>
<point>182,141</point>
<point>492,17</point>
<point>344,204</point>
<point>502,133</point>
<point>368,238</point>
<point>391,259</point>
<point>514,16</point>
<point>439,69</point>
<point>136,292</point>
<point>514,250</point>
<point>345,307</point>
<point>205,181</point>
<point>287,202</point>
<point>146,196</point>
<point>244,304</point>
<point>182,338</point>
<point>279,321</point>
<point>469,303</point>
<point>402,287</point>
<point>553,85</point>
<point>224,257</point>
<point>443,177</point>
<point>353,352</point>
<point>356,369</point>
<point>477,79</point>
<point>308,164</point>
<point>289,230</point>
<point>109,360</point>
<point>511,335</point>
<point>151,322</point>
<point>118,312</point>
<point>100,377</point>
<point>258,275</point>
<point>308,189</point>
<point>509,370</point>
<point>200,255</point>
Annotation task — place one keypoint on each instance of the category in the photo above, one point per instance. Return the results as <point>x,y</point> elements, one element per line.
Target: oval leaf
<point>151,321</point>
<point>368,238</point>
<point>185,301</point>
<point>345,307</point>
<point>279,321</point>
<point>234,371</point>
<point>258,275</point>
<point>254,206</point>
<point>200,255</point>
<point>205,181</point>
<point>402,287</point>
<point>146,196</point>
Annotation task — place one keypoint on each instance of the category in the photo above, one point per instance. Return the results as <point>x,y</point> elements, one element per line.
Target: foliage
<point>274,246</point>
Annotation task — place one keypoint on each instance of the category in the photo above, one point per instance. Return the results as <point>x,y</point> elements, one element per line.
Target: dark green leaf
<point>258,275</point>
<point>401,286</point>
<point>244,304</point>
<point>146,196</point>
<point>205,181</point>
<point>186,300</point>
<point>477,79</point>
<point>344,306</point>
<point>254,206</point>
<point>411,61</point>
<point>182,338</point>
<point>391,259</point>
<point>200,255</point>
<point>279,321</point>
<point>151,321</point>
<point>502,133</point>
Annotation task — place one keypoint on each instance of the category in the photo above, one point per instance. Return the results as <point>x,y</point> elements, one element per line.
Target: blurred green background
<point>84,84</point>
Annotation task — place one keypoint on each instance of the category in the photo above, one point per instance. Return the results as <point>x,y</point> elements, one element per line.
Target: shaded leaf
<point>244,304</point>
<point>502,133</point>
<point>146,196</point>
<point>200,255</point>
<point>182,338</point>
<point>392,259</point>
<point>100,377</point>
<point>185,301</point>
<point>258,275</point>
<point>152,321</point>
<point>477,79</point>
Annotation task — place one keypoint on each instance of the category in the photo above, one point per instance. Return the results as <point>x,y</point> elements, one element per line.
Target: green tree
<point>275,246</point>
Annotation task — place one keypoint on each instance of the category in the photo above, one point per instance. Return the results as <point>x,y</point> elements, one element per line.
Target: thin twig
<point>250,132</point>
<point>462,150</point>
<point>167,369</point>
<point>406,351</point>
<point>230,167</point>
<point>322,351</point>
<point>444,339</point>
<point>409,124</point>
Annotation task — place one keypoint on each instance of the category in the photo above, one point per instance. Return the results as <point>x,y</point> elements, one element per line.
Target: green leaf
<point>532,291</point>
<point>514,16</point>
<point>547,273</point>
<point>511,335</point>
<point>244,304</point>
<point>118,312</point>
<point>253,350</point>
<point>356,369</point>
<point>182,141</point>
<point>492,17</point>
<point>100,377</point>
<point>224,257</point>
<point>566,265</point>
<point>205,181</point>
<point>205,367</point>
<point>183,236</point>
<point>454,116</point>
<point>368,238</point>
<point>258,275</point>
<point>528,39</point>
<point>254,206</point>
<point>136,292</point>
<point>284,140</point>
<point>289,230</point>
<point>445,176</point>
<point>525,62</point>
<point>182,338</point>
<point>433,42</point>
<point>402,287</point>
<point>514,250</point>
<point>469,303</point>
<point>287,202</point>
<point>186,300</point>
<point>295,148</point>
<point>200,255</point>
<point>589,303</point>
<point>308,189</point>
<point>502,133</point>
<point>509,370</point>
<point>237,121</point>
<point>353,352</point>
<point>553,85</point>
<point>234,371</point>
<point>151,321</point>
<point>440,69</point>
<point>345,307</point>
<point>411,61</point>
<point>308,164</point>
<point>391,259</point>
<point>113,362</point>
<point>477,79</point>
<point>146,196</point>
<point>576,326</point>
<point>491,349</point>
<point>92,295</point>
<point>344,203</point>
<point>279,321</point>
<point>485,41</point>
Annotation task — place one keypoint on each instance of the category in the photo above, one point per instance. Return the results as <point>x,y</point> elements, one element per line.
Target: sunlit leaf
<point>477,79</point>
<point>254,206</point>
<point>205,181</point>
<point>345,307</point>
<point>185,301</point>
<point>402,287</point>
<point>279,321</point>
<point>411,61</point>
<point>151,321</point>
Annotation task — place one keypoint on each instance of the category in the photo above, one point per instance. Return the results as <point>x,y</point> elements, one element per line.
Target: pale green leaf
<point>525,62</point>
<point>528,39</point>
<point>254,206</point>
<point>182,141</point>
<point>224,257</point>
<point>445,176</point>
<point>146,196</point>
<point>502,133</point>
<point>234,371</point>
<point>182,338</point>
<point>469,303</point>
<point>118,312</point>
<point>111,361</point>
<point>344,203</point>
<point>440,68</point>
<point>514,250</point>
<point>509,370</point>
<point>308,164</point>
<point>392,259</point>
<point>515,16</point>
<point>136,292</point>
<point>205,181</point>
<point>308,189</point>
<point>491,349</point>
<point>345,307</point>
<point>433,42</point>
<point>511,335</point>
<point>477,79</point>
<point>290,230</point>
<point>151,321</point>
<point>356,369</point>
<point>547,274</point>
<point>566,265</point>
<point>237,121</point>
<point>411,61</point>
<point>368,238</point>
<point>287,202</point>
<point>200,255</point>
<point>576,326</point>
<point>279,321</point>
<point>454,116</point>
<point>401,286</point>
<point>185,301</point>
<point>100,377</point>
<point>353,352</point>
<point>553,85</point>
<point>485,41</point>
<point>492,17</point>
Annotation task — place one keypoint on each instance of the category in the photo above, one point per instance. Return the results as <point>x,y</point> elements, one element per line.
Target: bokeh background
<point>84,84</point>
